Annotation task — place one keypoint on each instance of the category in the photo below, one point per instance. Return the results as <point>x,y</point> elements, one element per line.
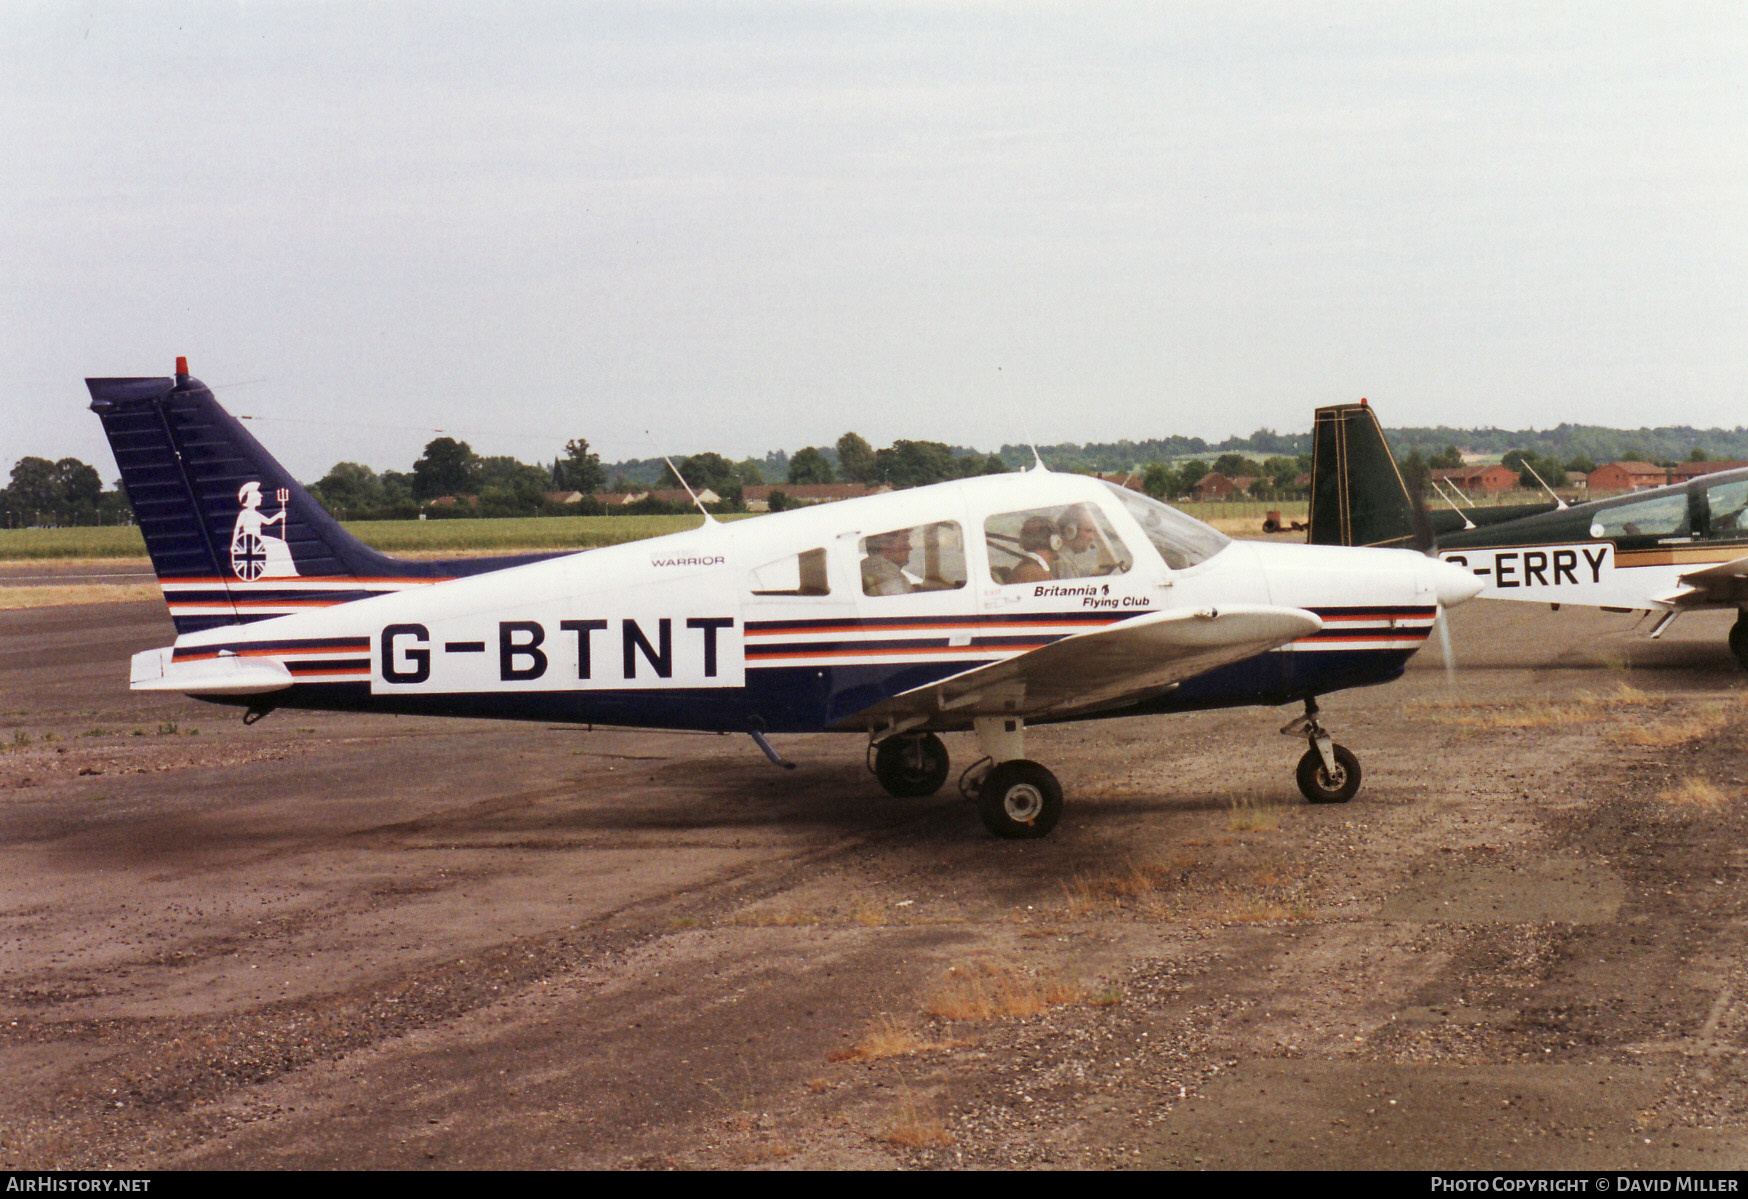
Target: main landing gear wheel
<point>911,765</point>
<point>1319,785</point>
<point>1739,639</point>
<point>1019,799</point>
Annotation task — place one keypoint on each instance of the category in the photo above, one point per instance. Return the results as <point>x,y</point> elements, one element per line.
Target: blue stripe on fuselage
<point>805,699</point>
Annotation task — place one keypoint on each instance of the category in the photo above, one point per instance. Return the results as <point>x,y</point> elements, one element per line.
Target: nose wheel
<point>1328,773</point>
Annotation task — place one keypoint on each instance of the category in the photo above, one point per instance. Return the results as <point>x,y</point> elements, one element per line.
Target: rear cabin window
<point>798,574</point>
<point>920,558</point>
<point>1036,545</point>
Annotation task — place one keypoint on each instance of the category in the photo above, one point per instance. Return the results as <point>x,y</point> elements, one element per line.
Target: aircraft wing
<point>1724,583</point>
<point>1102,668</point>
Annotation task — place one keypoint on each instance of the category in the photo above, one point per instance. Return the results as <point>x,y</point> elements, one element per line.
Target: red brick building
<point>1693,470</point>
<point>1626,476</point>
<point>1216,486</point>
<point>1478,478</point>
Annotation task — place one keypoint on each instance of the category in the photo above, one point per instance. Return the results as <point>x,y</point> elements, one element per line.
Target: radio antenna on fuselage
<point>1558,502</point>
<point>1467,523</point>
<point>708,519</point>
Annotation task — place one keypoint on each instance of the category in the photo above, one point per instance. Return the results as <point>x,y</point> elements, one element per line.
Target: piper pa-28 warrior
<point>985,604</point>
<point>1666,550</point>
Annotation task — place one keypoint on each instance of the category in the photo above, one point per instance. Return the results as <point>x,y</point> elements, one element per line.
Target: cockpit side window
<point>1662,518</point>
<point>920,558</point>
<point>1723,508</point>
<point>1035,545</point>
<point>1181,540</point>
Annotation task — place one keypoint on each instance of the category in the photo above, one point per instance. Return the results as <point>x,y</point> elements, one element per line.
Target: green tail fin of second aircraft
<point>1357,494</point>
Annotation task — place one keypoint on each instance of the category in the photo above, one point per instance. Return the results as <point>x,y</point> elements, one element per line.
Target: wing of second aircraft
<point>1723,583</point>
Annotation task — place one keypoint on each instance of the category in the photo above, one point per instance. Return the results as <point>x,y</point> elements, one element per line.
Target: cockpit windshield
<point>1181,540</point>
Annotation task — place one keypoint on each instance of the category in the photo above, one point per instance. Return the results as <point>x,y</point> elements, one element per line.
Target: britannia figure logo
<point>255,553</point>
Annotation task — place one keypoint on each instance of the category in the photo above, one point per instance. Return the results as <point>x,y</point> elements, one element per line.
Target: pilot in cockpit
<point>885,568</point>
<point>1081,554</point>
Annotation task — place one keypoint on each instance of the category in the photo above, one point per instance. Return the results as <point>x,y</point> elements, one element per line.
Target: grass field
<point>391,536</point>
<point>424,537</point>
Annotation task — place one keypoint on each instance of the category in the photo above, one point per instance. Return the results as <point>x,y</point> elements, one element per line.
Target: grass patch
<point>869,913</point>
<point>1129,885</point>
<point>462,535</point>
<point>792,916</point>
<point>1696,793</point>
<point>1533,716</point>
<point>1665,735</point>
<point>995,991</point>
<point>767,1151</point>
<point>1241,908</point>
<point>515,533</point>
<point>101,541</point>
<point>888,1038</point>
<point>83,593</point>
<point>1586,707</point>
<point>1251,815</point>
<point>916,1126</point>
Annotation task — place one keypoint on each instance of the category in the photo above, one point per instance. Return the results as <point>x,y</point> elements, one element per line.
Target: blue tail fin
<point>232,536</point>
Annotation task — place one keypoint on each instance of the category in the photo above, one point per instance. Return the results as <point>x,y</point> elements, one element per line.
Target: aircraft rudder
<point>223,521</point>
<point>1358,496</point>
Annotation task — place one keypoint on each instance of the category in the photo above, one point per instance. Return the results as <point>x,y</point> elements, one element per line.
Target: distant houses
<point>661,495</point>
<point>1637,476</point>
<point>1472,480</point>
<point>1683,471</point>
<point>1626,476</point>
<point>1485,479</point>
<point>1216,486</point>
<point>757,496</point>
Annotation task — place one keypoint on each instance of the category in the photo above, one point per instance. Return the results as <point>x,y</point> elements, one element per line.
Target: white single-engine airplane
<point>986,603</point>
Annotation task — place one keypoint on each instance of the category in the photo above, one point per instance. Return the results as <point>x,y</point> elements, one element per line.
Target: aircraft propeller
<point>1426,542</point>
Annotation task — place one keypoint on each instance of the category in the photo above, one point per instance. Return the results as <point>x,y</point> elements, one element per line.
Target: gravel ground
<point>363,941</point>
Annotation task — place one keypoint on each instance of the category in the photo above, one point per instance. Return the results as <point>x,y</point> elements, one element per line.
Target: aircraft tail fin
<point>232,536</point>
<point>1357,494</point>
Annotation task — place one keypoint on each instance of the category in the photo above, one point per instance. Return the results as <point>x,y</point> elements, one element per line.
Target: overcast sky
<point>757,225</point>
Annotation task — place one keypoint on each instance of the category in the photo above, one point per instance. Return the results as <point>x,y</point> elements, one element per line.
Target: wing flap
<point>1723,583</point>
<point>1100,668</point>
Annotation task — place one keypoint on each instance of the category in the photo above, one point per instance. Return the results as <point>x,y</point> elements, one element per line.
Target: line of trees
<point>68,492</point>
<point>471,485</point>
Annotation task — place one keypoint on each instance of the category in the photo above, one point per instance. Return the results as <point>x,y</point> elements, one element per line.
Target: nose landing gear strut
<point>1328,773</point>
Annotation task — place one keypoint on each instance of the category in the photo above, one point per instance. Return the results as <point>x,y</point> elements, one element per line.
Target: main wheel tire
<point>1319,786</point>
<point>1019,800</point>
<point>911,765</point>
<point>1739,639</point>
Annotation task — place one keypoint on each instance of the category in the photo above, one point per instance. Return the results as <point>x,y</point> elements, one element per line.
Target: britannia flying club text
<point>1091,595</point>
<point>559,653</point>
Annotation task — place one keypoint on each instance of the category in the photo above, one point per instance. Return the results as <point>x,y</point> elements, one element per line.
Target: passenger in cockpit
<point>1039,545</point>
